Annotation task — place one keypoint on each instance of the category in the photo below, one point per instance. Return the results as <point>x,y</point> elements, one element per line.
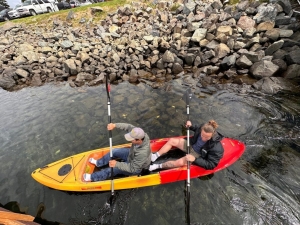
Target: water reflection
<point>45,124</point>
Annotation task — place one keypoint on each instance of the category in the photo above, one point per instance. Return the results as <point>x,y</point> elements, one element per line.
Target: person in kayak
<point>206,149</point>
<point>134,159</point>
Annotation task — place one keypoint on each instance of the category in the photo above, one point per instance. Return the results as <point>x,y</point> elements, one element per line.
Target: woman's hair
<point>210,126</point>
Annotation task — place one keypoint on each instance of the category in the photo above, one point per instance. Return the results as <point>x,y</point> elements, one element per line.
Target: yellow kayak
<point>67,174</point>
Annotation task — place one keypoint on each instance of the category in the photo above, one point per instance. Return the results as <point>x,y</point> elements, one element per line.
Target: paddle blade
<point>187,205</point>
<point>188,96</point>
<point>107,85</point>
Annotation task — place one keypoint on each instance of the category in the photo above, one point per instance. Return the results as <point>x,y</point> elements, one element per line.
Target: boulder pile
<point>205,43</point>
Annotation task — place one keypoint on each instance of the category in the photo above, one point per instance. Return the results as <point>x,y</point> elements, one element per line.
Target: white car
<point>74,4</point>
<point>33,7</point>
<point>13,14</point>
<point>85,3</point>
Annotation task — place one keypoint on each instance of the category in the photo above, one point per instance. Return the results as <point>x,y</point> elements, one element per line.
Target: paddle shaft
<point>110,132</point>
<point>188,180</point>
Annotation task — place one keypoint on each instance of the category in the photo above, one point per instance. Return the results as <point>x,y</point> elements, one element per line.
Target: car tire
<point>32,12</point>
<point>49,10</point>
<point>6,18</point>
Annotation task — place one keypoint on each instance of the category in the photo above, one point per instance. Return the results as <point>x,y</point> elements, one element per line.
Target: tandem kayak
<point>67,174</point>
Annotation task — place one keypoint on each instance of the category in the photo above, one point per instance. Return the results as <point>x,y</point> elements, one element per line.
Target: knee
<point>173,141</point>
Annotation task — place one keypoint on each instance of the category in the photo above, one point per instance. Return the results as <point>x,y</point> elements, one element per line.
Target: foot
<point>154,167</point>
<point>87,177</point>
<point>154,156</point>
<point>93,161</point>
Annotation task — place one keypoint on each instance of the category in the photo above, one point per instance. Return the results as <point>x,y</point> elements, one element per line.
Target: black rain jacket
<point>211,152</point>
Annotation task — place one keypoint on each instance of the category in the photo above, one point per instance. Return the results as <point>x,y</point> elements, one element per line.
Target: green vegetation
<point>79,12</point>
<point>174,7</point>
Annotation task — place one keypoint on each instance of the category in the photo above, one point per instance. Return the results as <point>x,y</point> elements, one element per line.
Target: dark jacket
<point>211,152</point>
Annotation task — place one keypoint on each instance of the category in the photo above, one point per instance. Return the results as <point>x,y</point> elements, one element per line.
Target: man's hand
<point>190,158</point>
<point>112,163</point>
<point>111,126</point>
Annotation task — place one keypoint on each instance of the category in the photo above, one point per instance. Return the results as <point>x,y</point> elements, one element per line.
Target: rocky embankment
<point>250,44</point>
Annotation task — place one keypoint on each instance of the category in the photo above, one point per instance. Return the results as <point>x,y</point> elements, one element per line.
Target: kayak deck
<point>67,174</point>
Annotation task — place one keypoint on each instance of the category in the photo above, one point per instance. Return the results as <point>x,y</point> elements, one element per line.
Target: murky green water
<point>45,124</point>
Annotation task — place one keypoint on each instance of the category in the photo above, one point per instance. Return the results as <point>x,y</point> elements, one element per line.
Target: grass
<point>79,12</point>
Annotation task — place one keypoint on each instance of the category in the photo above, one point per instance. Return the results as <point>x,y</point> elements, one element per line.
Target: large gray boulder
<point>263,69</point>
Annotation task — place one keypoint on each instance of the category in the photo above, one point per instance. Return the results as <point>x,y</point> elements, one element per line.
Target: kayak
<point>67,174</point>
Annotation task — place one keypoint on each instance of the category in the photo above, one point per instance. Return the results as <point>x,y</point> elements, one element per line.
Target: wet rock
<point>272,85</point>
<point>263,68</point>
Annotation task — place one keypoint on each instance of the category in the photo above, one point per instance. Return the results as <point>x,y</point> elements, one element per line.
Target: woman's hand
<point>188,123</point>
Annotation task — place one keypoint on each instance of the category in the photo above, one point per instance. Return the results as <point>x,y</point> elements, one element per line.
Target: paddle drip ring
<point>65,169</point>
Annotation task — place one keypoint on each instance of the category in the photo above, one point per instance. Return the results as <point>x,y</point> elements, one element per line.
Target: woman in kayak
<point>135,158</point>
<point>206,149</point>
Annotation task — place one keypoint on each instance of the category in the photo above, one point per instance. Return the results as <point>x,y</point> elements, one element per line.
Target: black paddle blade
<point>110,200</point>
<point>187,205</point>
<point>188,96</point>
<point>107,85</point>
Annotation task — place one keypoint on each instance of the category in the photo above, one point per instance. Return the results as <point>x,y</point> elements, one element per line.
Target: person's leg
<point>106,173</point>
<point>121,153</point>
<point>173,142</point>
<point>175,163</point>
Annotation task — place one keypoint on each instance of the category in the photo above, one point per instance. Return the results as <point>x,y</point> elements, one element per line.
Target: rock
<point>226,30</point>
<point>265,13</point>
<point>245,22</point>
<point>265,26</point>
<point>36,80</point>
<point>286,5</point>
<point>282,66</point>
<point>7,82</point>
<point>293,71</point>
<point>272,85</point>
<point>254,56</point>
<point>177,68</point>
<point>168,57</point>
<point>273,34</point>
<point>221,50</point>
<point>293,57</point>
<point>263,68</point>
<point>199,34</point>
<point>243,62</point>
<point>274,47</point>
<point>70,67</point>
<point>228,62</point>
<point>22,73</point>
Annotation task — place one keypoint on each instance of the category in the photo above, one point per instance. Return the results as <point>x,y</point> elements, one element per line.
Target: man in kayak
<point>206,149</point>
<point>134,159</point>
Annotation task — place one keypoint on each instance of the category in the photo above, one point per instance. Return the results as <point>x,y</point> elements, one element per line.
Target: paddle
<point>107,85</point>
<point>188,184</point>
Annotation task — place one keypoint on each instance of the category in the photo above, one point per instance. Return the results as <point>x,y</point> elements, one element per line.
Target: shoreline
<point>248,45</point>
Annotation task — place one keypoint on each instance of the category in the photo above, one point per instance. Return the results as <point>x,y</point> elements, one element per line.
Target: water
<point>41,125</point>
